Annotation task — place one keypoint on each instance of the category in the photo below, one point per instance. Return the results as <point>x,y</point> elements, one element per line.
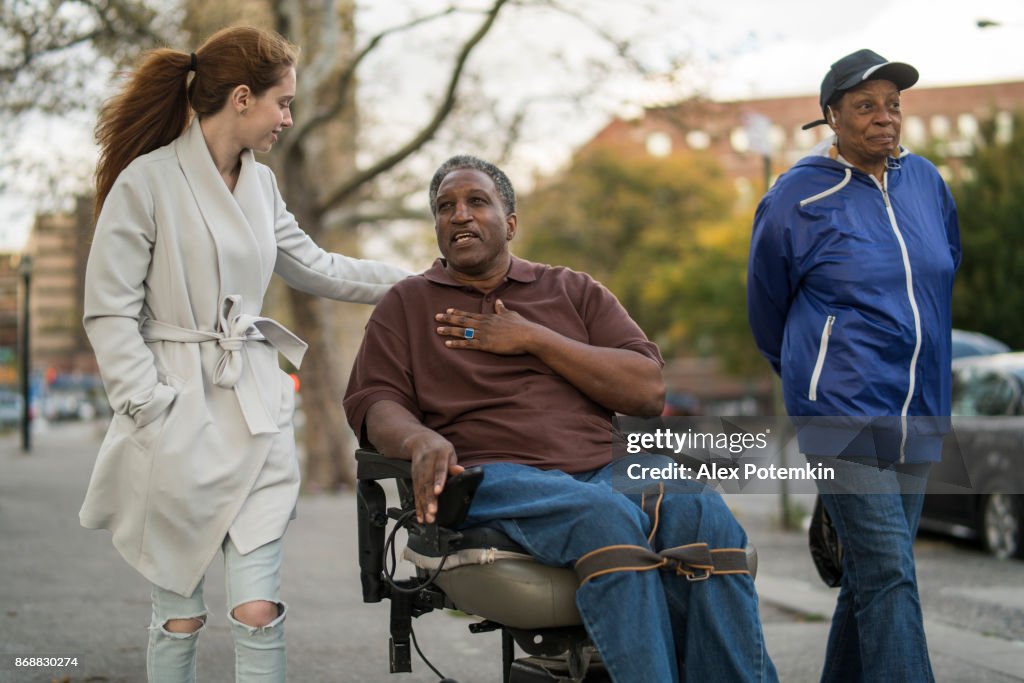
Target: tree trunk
<point>327,326</point>
<point>328,440</point>
<point>308,172</point>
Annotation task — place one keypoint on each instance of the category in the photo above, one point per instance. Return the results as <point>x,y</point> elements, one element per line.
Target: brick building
<point>9,297</point>
<point>58,245</point>
<point>947,119</point>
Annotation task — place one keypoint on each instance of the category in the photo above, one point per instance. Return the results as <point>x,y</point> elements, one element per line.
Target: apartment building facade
<point>756,140</point>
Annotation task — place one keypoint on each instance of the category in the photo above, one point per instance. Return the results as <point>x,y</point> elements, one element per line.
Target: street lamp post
<point>25,271</point>
<point>759,132</point>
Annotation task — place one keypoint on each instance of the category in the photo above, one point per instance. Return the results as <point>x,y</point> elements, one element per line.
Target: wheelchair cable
<point>415,644</point>
<point>389,573</point>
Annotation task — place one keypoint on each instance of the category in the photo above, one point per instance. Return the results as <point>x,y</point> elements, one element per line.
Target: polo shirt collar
<point>519,271</point>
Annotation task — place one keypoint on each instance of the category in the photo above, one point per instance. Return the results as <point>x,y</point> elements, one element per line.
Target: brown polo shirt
<point>494,408</point>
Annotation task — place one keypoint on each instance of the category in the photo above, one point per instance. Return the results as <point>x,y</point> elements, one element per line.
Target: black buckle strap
<point>695,561</point>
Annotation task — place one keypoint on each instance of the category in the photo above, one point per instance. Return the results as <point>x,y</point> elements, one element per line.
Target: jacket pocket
<point>147,435</point>
<point>826,332</point>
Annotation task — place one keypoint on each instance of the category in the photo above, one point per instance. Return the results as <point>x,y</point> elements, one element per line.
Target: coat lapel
<point>257,204</point>
<point>238,251</point>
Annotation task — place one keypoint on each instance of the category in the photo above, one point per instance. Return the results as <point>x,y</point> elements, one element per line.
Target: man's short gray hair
<point>465,161</point>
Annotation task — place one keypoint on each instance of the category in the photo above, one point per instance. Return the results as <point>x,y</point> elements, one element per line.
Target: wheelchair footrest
<point>553,670</point>
<point>400,656</point>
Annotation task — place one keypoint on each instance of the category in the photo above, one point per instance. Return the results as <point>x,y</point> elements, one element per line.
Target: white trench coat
<point>201,443</point>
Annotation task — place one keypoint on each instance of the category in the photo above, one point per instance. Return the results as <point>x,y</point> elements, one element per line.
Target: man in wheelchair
<point>489,360</point>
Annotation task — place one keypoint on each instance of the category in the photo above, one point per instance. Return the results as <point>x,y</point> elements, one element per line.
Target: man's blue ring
<point>469,333</point>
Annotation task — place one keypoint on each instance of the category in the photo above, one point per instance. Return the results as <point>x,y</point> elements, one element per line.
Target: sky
<point>733,49</point>
<point>785,46</point>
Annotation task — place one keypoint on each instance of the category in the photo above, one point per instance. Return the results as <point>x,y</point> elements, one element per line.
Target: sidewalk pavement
<point>65,592</point>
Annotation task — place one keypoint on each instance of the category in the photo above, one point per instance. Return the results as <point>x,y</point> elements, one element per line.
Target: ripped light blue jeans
<point>259,651</point>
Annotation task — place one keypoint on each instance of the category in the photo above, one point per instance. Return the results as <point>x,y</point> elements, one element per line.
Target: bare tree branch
<point>382,212</point>
<point>347,76</point>
<point>353,184</point>
<point>623,48</point>
<point>43,40</point>
<point>28,55</point>
<point>117,16</point>
<point>325,24</point>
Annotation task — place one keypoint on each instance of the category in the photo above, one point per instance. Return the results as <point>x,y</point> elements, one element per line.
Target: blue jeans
<point>877,629</point>
<point>648,626</point>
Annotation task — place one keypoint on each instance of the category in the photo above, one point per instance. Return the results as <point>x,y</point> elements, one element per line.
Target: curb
<point>986,651</point>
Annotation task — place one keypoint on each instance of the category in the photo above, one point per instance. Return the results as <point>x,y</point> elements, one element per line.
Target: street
<point>65,592</point>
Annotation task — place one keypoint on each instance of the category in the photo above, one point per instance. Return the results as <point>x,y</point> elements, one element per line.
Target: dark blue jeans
<point>650,626</point>
<point>877,629</point>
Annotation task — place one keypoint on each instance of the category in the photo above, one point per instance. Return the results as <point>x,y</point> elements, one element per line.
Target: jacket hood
<point>825,157</point>
<point>821,156</point>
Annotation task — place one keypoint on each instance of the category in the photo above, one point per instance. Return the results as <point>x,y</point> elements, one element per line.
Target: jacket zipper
<point>826,332</point>
<point>884,187</point>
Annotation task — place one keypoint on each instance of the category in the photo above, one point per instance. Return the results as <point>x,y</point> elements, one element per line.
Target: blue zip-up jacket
<point>849,290</point>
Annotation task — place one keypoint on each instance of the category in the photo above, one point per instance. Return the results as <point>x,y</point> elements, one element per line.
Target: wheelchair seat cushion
<point>520,593</point>
<point>489,575</point>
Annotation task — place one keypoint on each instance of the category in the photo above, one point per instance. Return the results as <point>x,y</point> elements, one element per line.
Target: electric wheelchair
<point>479,571</point>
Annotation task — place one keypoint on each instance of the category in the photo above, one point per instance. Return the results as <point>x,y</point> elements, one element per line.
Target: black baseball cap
<point>857,67</point>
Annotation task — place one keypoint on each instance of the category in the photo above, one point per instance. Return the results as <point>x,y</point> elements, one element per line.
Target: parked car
<point>975,344</point>
<point>10,408</point>
<point>67,405</point>
<point>983,458</point>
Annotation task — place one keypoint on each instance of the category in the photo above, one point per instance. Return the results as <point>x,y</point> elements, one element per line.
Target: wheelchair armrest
<point>373,514</point>
<point>454,501</point>
<point>372,465</point>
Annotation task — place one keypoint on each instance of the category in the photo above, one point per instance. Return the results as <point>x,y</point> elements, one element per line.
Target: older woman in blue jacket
<point>849,289</point>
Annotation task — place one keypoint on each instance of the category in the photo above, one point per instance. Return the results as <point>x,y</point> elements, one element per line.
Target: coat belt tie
<point>234,330</point>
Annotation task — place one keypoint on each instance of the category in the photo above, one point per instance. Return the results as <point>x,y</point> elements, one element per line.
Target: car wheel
<point>1002,526</point>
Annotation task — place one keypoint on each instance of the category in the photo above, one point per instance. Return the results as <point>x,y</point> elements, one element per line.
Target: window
<point>739,140</point>
<point>698,139</point>
<point>659,144</point>
<point>983,393</point>
<point>914,132</point>
<point>804,139</point>
<point>967,124</point>
<point>1004,127</point>
<point>941,126</point>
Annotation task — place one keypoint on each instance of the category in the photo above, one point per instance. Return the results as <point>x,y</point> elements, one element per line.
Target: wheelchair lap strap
<point>657,510</point>
<point>695,561</point>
